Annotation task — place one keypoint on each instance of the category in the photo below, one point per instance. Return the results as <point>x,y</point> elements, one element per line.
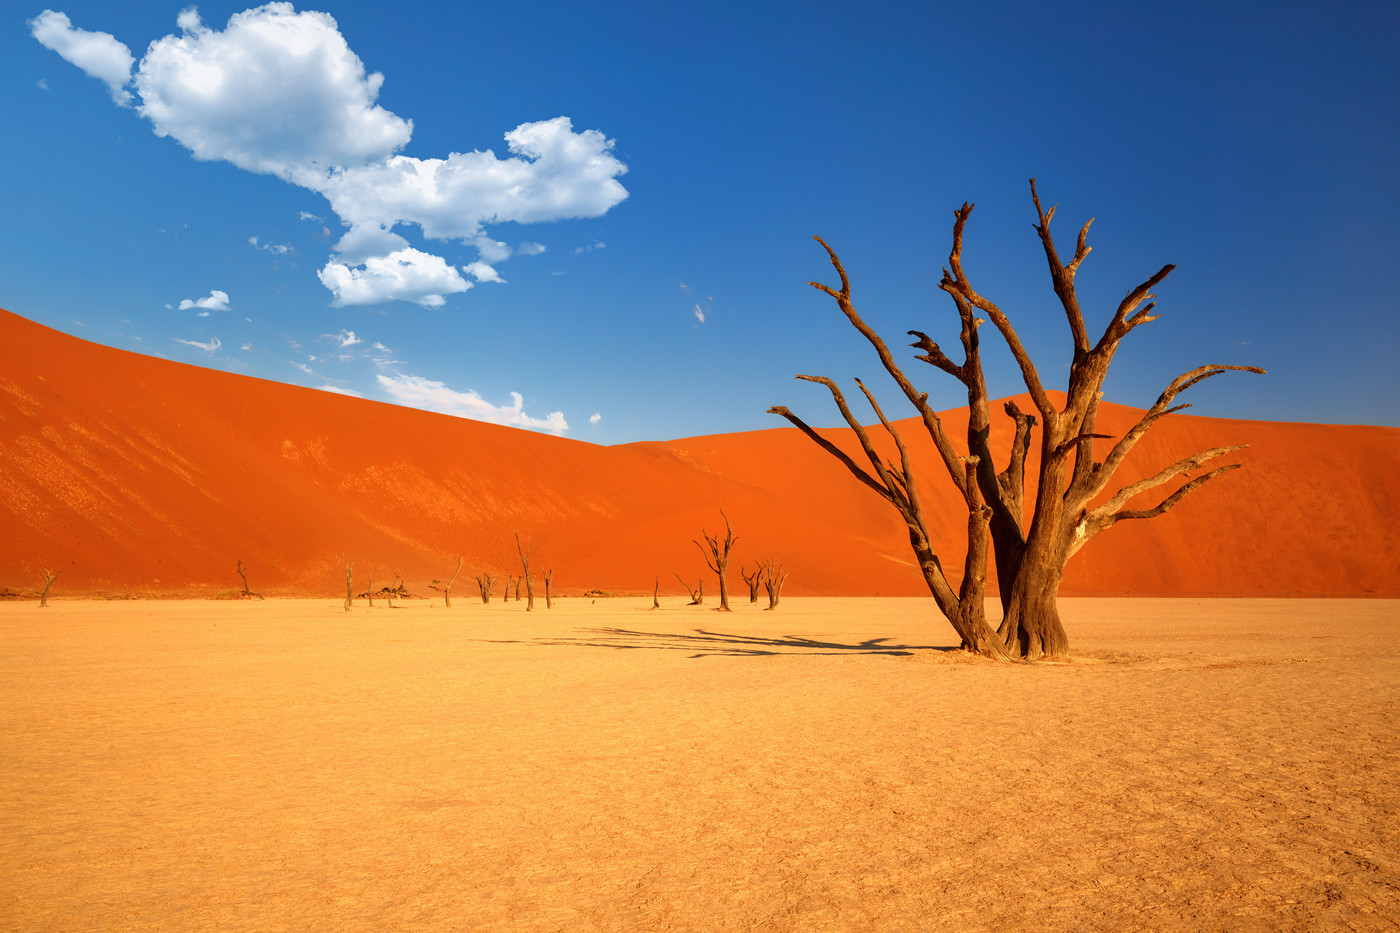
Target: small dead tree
<point>718,557</point>
<point>447,587</point>
<point>369,590</point>
<point>774,576</point>
<point>243,572</point>
<point>753,581</point>
<point>656,594</point>
<point>529,578</point>
<point>485,582</point>
<point>548,579</point>
<point>49,577</point>
<point>349,584</point>
<point>697,592</point>
<point>1071,479</point>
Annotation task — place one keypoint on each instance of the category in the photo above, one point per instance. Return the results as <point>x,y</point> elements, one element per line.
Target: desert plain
<point>266,765</point>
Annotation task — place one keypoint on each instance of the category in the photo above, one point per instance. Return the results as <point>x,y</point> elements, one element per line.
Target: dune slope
<point>134,475</point>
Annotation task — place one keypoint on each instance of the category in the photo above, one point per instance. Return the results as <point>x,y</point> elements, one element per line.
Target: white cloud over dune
<point>280,92</point>
<point>435,396</point>
<point>216,300</point>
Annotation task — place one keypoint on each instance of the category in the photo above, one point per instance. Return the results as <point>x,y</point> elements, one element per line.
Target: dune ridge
<point>141,476</point>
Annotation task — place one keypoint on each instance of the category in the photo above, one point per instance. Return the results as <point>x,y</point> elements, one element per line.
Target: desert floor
<point>285,765</point>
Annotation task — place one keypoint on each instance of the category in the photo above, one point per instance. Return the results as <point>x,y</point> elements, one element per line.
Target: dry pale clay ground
<point>284,765</point>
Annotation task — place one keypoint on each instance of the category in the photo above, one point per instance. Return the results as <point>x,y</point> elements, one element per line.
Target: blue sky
<point>596,219</point>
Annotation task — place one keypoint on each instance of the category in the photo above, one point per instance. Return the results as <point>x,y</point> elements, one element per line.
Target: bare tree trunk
<point>244,575</point>
<point>484,583</point>
<point>774,576</point>
<point>447,588</point>
<point>528,577</point>
<point>656,594</point>
<point>718,558</point>
<point>349,584</point>
<point>548,579</point>
<point>753,581</point>
<point>49,577</point>
<point>369,590</point>
<point>697,593</point>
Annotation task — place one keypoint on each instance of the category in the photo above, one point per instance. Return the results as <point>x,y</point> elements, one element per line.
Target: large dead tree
<point>718,557</point>
<point>49,577</point>
<point>753,581</point>
<point>527,576</point>
<point>774,576</point>
<point>1070,505</point>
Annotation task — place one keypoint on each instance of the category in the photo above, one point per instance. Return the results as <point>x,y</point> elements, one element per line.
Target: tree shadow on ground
<point>727,644</point>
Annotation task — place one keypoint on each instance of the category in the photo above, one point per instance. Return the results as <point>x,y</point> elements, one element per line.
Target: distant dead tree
<point>548,579</point>
<point>515,585</point>
<point>447,587</point>
<point>656,594</point>
<point>349,584</point>
<point>718,557</point>
<point>1070,507</point>
<point>529,578</point>
<point>753,581</point>
<point>697,592</point>
<point>244,575</point>
<point>369,590</point>
<point>774,576</point>
<point>49,577</point>
<point>485,582</point>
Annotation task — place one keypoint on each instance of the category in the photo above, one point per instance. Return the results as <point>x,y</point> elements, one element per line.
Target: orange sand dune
<point>142,476</point>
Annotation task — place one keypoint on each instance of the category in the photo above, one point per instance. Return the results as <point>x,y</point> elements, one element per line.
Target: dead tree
<point>515,581</point>
<point>49,577</point>
<point>243,572</point>
<point>447,587</point>
<point>718,557</point>
<point>774,576</point>
<point>548,579</point>
<point>753,581</point>
<point>524,552</point>
<point>349,585</point>
<point>1068,509</point>
<point>697,593</point>
<point>484,583</point>
<point>369,590</point>
<point>656,594</point>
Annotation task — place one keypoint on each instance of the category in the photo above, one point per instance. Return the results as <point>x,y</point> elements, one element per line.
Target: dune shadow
<point>705,643</point>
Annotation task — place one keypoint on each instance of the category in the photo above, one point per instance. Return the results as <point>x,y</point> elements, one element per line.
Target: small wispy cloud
<point>482,272</point>
<point>432,395</point>
<point>208,346</point>
<point>700,314</point>
<point>341,390</point>
<point>346,338</point>
<point>215,301</point>
<point>307,215</point>
<point>597,245</point>
<point>529,248</point>
<point>595,418</point>
<point>277,249</point>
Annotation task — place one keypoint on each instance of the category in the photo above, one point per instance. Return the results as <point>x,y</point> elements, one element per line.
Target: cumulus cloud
<point>208,346</point>
<point>529,248</point>
<point>403,275</point>
<point>429,394</point>
<point>595,418</point>
<point>482,272</point>
<point>99,54</point>
<point>216,301</point>
<point>281,92</point>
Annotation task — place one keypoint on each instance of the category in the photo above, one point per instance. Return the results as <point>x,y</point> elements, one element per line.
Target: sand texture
<point>284,765</point>
<point>135,475</point>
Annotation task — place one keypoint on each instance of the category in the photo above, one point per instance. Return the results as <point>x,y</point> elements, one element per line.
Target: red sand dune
<point>135,475</point>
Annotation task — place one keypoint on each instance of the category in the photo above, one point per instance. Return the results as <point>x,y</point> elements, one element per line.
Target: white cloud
<point>528,248</point>
<point>403,275</point>
<point>595,418</point>
<point>341,391</point>
<point>345,338</point>
<point>596,245</point>
<point>43,84</point>
<point>307,215</point>
<point>281,92</point>
<point>208,346</point>
<point>99,54</point>
<point>277,92</point>
<point>217,301</point>
<point>700,314</point>
<point>277,249</point>
<point>431,395</point>
<point>482,272</point>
